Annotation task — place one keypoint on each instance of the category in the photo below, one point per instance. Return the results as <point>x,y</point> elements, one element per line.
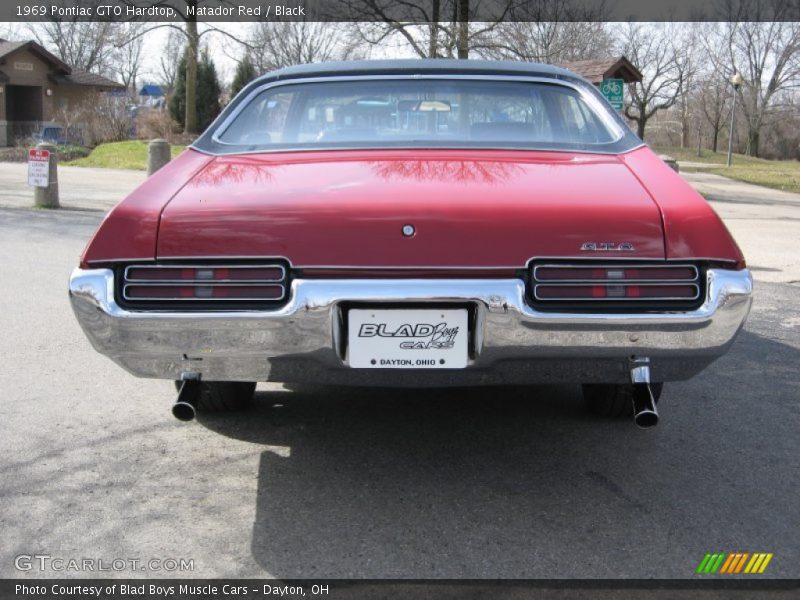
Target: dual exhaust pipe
<point>185,407</point>
<point>645,414</point>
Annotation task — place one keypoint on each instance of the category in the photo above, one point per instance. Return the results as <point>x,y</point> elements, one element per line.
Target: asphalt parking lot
<point>326,482</point>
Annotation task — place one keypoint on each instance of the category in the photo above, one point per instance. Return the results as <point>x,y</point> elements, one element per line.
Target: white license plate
<point>407,338</point>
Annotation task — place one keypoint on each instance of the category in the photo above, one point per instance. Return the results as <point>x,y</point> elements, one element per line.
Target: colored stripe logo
<point>734,563</point>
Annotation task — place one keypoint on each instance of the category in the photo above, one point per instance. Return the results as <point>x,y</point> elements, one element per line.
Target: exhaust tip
<point>183,411</point>
<point>646,419</point>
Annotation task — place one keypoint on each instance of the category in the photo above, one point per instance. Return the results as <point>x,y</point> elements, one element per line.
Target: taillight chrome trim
<point>613,283</point>
<point>204,266</point>
<point>615,290</point>
<point>589,265</point>
<point>259,288</point>
<point>188,283</point>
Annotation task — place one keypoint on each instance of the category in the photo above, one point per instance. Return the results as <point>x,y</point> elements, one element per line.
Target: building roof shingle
<point>598,69</point>
<point>66,75</point>
<point>7,47</point>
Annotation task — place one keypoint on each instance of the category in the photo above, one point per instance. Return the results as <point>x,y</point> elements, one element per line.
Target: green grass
<point>776,174</point>
<point>19,153</point>
<point>120,155</point>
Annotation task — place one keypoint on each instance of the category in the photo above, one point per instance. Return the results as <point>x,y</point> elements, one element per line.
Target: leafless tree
<point>781,134</point>
<point>170,58</point>
<point>10,31</point>
<point>687,38</point>
<point>276,44</point>
<point>766,53</point>
<point>83,45</point>
<point>127,55</point>
<point>113,49</point>
<point>192,33</point>
<point>96,118</point>
<point>549,31</point>
<point>655,49</point>
<point>712,98</point>
<point>431,28</point>
<point>709,93</point>
<point>547,41</point>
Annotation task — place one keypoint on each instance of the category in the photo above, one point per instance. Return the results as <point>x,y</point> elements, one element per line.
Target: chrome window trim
<point>422,148</point>
<point>614,299</point>
<point>188,266</point>
<point>618,281</point>
<point>601,111</point>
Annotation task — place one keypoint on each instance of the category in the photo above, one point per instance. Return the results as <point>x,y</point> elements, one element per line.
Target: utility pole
<point>736,81</point>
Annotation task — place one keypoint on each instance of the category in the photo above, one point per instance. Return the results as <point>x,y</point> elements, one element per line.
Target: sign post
<point>158,154</point>
<point>613,90</point>
<point>43,176</point>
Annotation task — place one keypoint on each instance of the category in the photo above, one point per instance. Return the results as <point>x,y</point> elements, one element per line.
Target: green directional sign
<point>613,90</point>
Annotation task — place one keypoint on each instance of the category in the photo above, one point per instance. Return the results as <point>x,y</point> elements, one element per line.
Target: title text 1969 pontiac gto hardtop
<point>414,223</point>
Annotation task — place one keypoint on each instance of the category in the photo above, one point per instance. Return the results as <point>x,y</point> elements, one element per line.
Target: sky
<point>224,51</point>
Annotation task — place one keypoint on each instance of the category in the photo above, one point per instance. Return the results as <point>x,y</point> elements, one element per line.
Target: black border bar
<point>375,589</point>
<point>418,11</point>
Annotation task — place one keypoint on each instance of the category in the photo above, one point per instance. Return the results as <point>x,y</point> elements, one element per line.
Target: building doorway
<point>24,110</point>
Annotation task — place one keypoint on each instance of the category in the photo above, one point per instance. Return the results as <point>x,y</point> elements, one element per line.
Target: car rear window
<point>414,112</point>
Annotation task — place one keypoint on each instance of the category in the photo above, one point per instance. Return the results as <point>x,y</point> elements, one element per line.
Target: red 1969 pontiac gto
<point>414,223</point>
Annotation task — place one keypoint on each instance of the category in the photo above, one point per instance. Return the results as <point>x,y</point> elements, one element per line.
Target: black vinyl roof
<point>426,65</point>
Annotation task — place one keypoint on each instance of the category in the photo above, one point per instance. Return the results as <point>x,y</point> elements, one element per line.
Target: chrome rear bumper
<point>512,342</point>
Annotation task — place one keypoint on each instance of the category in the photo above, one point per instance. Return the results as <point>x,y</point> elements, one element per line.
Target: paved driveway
<point>495,482</point>
<point>80,188</point>
<point>314,482</point>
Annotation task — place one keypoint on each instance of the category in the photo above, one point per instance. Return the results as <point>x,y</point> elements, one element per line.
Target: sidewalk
<point>715,185</point>
<point>79,188</point>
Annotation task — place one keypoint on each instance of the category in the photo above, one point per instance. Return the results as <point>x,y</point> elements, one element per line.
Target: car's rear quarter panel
<point>692,230</point>
<point>129,231</point>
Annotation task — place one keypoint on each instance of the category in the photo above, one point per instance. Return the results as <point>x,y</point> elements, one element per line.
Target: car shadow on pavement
<point>521,482</point>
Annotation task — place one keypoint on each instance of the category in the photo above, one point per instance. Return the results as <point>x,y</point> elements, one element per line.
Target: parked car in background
<point>53,133</point>
<point>415,223</point>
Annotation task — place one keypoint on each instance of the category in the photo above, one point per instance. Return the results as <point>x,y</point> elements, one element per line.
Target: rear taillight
<point>212,283</point>
<point>611,283</point>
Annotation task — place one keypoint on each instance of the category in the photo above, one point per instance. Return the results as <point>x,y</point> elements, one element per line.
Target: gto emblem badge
<point>607,247</point>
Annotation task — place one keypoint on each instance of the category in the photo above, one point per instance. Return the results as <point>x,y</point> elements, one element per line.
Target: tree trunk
<point>433,44</point>
<point>715,139</point>
<point>752,142</point>
<point>190,124</point>
<point>684,125</point>
<point>462,42</point>
<point>699,139</point>
<point>640,127</point>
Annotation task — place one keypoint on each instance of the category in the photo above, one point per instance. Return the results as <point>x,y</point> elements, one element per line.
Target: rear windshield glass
<point>424,113</point>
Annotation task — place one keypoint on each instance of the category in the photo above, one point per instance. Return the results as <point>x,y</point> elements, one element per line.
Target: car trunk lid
<point>467,208</point>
